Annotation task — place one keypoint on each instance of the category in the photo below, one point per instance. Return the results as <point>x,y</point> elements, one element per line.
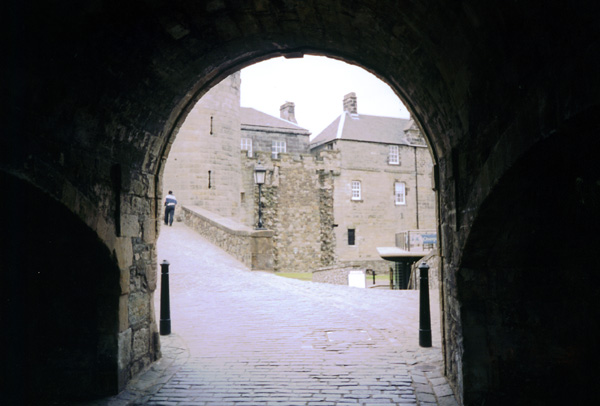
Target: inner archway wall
<point>97,93</point>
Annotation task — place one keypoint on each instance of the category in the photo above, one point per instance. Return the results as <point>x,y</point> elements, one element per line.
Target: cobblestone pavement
<point>253,338</point>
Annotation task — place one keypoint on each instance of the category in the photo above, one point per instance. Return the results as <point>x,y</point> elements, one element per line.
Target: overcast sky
<point>317,86</point>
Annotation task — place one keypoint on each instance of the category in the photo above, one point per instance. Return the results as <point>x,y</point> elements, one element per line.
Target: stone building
<point>383,185</point>
<point>204,165</point>
<point>292,193</point>
<point>331,203</point>
<point>265,133</point>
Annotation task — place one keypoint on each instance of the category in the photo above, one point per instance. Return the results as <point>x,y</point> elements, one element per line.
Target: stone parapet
<point>254,248</point>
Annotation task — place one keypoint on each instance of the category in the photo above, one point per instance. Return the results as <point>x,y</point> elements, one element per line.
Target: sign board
<point>429,238</point>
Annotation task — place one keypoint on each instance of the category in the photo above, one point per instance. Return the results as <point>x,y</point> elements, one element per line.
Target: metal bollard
<point>424,316</point>
<point>372,272</point>
<point>165,307</point>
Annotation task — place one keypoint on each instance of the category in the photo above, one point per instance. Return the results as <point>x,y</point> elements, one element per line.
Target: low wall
<point>334,274</point>
<point>433,260</point>
<point>252,247</point>
<point>380,266</point>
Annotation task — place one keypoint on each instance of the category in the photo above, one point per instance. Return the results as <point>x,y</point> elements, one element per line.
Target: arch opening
<point>488,83</point>
<point>218,119</point>
<point>528,282</point>
<point>60,301</point>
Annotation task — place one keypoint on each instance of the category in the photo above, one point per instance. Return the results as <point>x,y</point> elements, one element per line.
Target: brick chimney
<point>286,112</point>
<point>350,104</point>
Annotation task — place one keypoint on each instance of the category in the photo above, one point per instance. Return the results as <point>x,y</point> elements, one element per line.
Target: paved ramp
<point>253,338</point>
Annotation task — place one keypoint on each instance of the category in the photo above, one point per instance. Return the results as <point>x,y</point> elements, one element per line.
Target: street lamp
<point>259,179</point>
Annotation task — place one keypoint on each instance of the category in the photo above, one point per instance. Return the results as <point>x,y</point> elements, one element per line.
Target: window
<point>247,146</point>
<point>394,155</point>
<point>356,195</point>
<point>351,236</point>
<point>400,192</point>
<point>277,148</point>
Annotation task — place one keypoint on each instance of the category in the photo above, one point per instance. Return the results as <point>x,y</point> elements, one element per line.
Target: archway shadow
<point>60,296</point>
<point>528,282</point>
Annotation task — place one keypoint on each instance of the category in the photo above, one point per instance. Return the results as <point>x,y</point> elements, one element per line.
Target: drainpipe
<point>416,187</point>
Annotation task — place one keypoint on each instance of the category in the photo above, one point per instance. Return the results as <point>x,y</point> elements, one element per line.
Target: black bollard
<point>165,307</point>
<point>424,317</point>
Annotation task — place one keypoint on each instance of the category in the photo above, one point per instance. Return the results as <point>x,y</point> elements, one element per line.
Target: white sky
<point>317,86</point>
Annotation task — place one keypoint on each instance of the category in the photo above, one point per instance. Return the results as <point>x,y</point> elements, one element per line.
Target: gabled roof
<point>255,118</point>
<point>388,130</point>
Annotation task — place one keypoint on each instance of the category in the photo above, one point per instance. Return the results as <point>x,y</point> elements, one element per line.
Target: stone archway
<point>60,301</point>
<point>527,282</point>
<point>97,91</point>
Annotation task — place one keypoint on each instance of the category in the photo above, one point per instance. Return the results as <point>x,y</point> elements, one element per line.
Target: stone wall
<point>433,260</point>
<point>203,166</point>
<point>380,266</point>
<point>492,116</point>
<point>254,248</point>
<point>297,207</point>
<point>334,274</point>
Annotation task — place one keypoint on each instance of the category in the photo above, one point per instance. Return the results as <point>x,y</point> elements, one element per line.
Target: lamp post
<point>259,179</point>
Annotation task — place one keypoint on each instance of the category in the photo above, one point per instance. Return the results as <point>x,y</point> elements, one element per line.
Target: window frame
<point>246,145</point>
<point>355,192</point>
<point>397,201</point>
<point>352,237</point>
<point>276,148</point>
<point>394,154</point>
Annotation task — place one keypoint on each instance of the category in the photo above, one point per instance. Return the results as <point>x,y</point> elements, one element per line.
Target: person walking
<point>170,203</point>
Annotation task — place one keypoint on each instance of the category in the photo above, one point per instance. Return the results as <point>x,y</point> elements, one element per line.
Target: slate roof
<point>388,130</point>
<point>255,118</point>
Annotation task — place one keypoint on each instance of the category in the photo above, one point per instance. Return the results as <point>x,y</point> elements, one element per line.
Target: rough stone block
<point>149,230</point>
<point>123,312</point>
<point>152,276</point>
<point>139,307</point>
<point>124,251</point>
<point>125,349</point>
<point>124,281</point>
<point>141,343</point>
<point>130,225</point>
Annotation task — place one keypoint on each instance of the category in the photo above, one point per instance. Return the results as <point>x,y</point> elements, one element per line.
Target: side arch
<point>528,282</point>
<point>60,301</point>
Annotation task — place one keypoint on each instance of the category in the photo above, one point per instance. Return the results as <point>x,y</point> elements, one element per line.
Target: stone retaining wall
<point>380,266</point>
<point>433,260</point>
<point>334,274</point>
<point>252,247</point>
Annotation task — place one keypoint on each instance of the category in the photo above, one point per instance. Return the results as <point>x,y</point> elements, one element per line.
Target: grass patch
<point>379,277</point>
<point>303,276</point>
<point>307,276</point>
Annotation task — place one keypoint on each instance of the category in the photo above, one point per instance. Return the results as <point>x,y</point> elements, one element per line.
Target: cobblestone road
<point>253,338</point>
